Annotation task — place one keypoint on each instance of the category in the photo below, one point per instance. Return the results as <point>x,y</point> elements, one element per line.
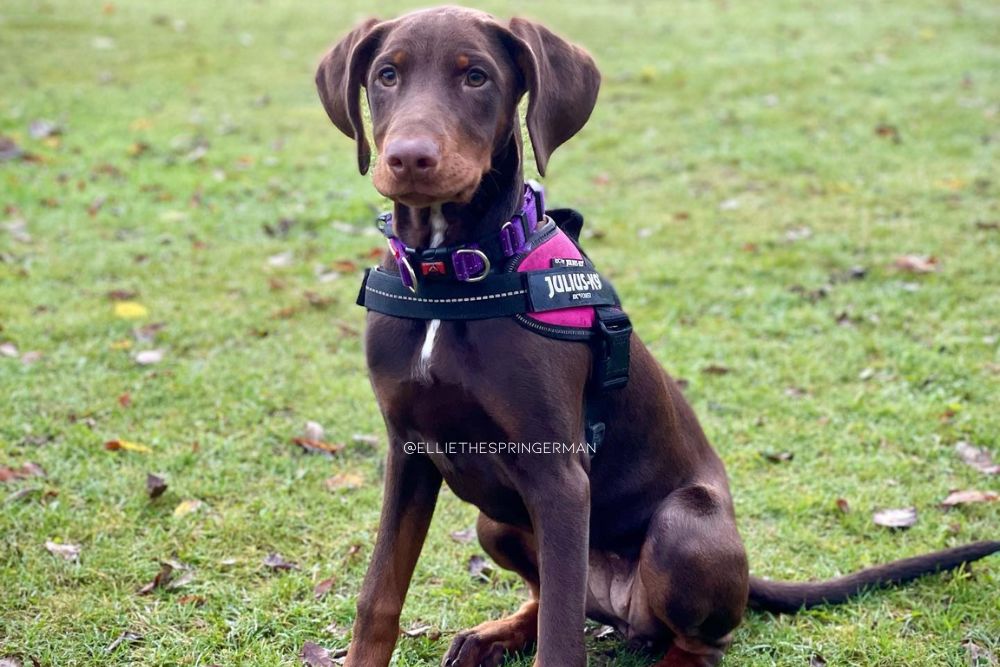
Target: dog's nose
<point>412,157</point>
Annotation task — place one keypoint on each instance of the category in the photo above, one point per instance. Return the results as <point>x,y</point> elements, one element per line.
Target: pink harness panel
<point>558,246</point>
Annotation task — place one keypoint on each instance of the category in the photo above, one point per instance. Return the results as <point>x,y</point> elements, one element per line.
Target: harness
<point>533,270</point>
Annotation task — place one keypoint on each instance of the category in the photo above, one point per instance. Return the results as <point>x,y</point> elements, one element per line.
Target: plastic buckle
<point>612,365</point>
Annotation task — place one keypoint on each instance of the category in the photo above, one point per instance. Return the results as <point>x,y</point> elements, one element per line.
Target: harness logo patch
<point>579,286</point>
<point>567,261</point>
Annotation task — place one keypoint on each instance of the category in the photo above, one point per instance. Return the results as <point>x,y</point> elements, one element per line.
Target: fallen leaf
<point>147,333</point>
<point>181,581</point>
<point>69,551</point>
<point>970,496</point>
<point>317,447</point>
<point>130,310</point>
<point>149,357</point>
<point>896,518</point>
<point>976,457</point>
<point>315,655</point>
<point>186,507</point>
<point>280,260</point>
<point>41,129</point>
<point>9,150</point>
<point>196,600</point>
<point>9,350</point>
<point>161,579</point>
<point>416,630</point>
<point>887,131</point>
<point>344,480</point>
<point>26,470</point>
<point>323,587</point>
<point>798,234</point>
<point>276,561</point>
<point>778,457</point>
<point>843,505</point>
<point>479,567</point>
<point>125,400</point>
<point>126,637</point>
<point>464,536</point>
<point>30,357</point>
<point>122,294</point>
<point>155,485</point>
<point>715,369</point>
<point>127,445</point>
<point>344,266</point>
<point>916,263</point>
<point>978,655</point>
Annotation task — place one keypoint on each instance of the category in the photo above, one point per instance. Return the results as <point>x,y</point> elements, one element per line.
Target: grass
<point>722,131</point>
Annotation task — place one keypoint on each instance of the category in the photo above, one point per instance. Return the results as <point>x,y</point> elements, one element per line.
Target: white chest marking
<point>438,227</point>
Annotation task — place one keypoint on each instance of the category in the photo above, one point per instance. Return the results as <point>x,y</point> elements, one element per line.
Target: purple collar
<point>469,262</point>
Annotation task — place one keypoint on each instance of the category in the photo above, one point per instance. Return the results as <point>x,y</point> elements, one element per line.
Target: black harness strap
<point>497,295</point>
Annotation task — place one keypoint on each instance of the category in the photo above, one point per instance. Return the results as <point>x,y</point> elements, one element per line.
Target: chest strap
<point>496,295</point>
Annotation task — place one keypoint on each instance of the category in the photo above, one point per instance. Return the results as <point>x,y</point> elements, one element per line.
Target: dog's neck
<point>497,199</point>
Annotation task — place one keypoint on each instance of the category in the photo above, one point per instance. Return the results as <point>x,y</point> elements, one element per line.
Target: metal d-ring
<point>486,263</point>
<point>404,261</point>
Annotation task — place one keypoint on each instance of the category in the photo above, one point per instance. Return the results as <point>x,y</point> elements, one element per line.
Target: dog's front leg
<point>411,489</point>
<point>559,505</point>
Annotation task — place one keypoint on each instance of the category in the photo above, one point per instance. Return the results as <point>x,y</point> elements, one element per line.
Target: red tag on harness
<point>433,268</point>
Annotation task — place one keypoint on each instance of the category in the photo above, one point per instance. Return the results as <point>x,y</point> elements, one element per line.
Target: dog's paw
<point>471,649</point>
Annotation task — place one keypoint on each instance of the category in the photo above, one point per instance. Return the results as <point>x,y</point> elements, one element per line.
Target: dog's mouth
<point>409,194</point>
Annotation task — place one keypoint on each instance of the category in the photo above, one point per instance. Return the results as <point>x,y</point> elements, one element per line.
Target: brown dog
<point>642,536</point>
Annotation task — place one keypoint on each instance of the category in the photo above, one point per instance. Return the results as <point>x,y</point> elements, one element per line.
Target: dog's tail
<point>789,597</point>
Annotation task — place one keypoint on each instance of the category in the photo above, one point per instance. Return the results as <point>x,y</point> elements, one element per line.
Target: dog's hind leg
<point>694,569</point>
<point>513,549</point>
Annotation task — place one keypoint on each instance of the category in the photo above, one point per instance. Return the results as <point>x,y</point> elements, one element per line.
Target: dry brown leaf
<point>317,446</point>
<point>196,600</point>
<point>314,655</point>
<point>26,470</point>
<point>323,587</point>
<point>127,445</point>
<point>917,263</point>
<point>479,567</point>
<point>344,480</point>
<point>843,505</point>
<point>969,496</point>
<point>155,485</point>
<point>344,266</point>
<point>716,369</point>
<point>161,579</point>
<point>896,518</point>
<point>276,561</point>
<point>420,630</point>
<point>464,536</point>
<point>69,551</point>
<point>977,457</point>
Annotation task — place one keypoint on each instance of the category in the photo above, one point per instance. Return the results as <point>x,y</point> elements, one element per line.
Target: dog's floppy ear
<point>339,79</point>
<point>562,83</point>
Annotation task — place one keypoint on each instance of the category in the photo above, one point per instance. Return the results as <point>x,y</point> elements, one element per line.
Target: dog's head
<point>443,87</point>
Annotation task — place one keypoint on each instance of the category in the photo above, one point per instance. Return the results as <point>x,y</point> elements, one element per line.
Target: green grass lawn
<point>743,157</point>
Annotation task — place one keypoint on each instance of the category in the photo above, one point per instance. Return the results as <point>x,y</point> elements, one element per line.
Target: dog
<point>642,535</point>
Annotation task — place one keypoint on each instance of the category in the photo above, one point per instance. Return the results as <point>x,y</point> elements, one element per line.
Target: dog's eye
<point>387,76</point>
<point>475,78</point>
